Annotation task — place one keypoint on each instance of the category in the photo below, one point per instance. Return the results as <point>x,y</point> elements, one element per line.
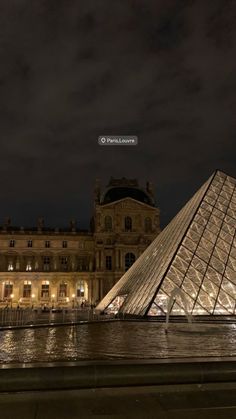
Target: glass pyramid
<point>196,252</point>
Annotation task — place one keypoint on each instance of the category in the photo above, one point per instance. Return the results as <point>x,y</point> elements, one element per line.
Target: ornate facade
<point>53,267</point>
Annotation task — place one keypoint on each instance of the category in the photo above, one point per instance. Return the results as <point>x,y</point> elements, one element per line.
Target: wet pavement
<point>209,401</point>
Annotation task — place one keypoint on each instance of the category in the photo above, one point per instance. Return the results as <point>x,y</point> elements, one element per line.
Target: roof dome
<point>121,192</point>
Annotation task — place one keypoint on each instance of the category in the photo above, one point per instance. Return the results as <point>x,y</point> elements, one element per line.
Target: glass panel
<point>199,264</point>
<point>203,213</point>
<point>194,275</point>
<point>162,301</point>
<point>232,206</point>
<point>197,228</point>
<point>175,275</point>
<point>217,264</point>
<point>213,276</point>
<point>189,244</point>
<point>229,287</point>
<point>206,244</point>
<point>180,264</point>
<point>190,288</point>
<point>219,214</point>
<point>220,310</point>
<point>203,254</point>
<point>220,254</point>
<point>155,311</point>
<point>212,192</point>
<point>226,301</point>
<point>211,288</point>
<point>200,220</point>
<point>233,252</point>
<point>177,310</point>
<point>206,206</point>
<point>206,301</point>
<point>230,274</point>
<point>194,236</point>
<point>168,286</point>
<point>199,310</point>
<point>213,227</point>
<point>223,245</point>
<point>232,263</point>
<point>185,301</point>
<point>228,228</point>
<point>209,236</point>
<point>226,237</point>
<point>220,206</point>
<point>185,254</point>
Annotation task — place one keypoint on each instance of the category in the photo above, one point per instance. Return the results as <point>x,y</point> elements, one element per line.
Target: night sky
<point>73,70</point>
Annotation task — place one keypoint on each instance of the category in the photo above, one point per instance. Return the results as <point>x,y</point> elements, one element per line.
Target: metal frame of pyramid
<point>196,252</point>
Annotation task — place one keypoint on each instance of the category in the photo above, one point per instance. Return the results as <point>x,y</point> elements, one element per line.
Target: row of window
<point>45,290</point>
<point>12,243</point>
<point>128,224</point>
<point>81,264</point>
<point>64,261</point>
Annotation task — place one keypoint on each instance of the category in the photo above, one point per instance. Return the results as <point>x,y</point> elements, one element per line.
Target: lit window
<point>47,243</point>
<point>64,243</point>
<point>30,243</point>
<point>45,289</point>
<point>128,223</point>
<point>129,260</point>
<point>80,289</point>
<point>27,289</point>
<point>12,243</point>
<point>109,263</point>
<point>8,288</point>
<point>63,290</point>
<point>10,267</point>
<point>28,267</point>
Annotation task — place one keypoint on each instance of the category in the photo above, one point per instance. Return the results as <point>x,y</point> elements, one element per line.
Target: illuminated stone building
<point>193,259</point>
<point>50,266</point>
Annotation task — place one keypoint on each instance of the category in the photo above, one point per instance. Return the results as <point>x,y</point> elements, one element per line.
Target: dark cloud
<point>72,70</point>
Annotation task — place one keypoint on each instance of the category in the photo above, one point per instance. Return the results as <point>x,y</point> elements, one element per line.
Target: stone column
<point>16,290</point>
<point>55,262</point>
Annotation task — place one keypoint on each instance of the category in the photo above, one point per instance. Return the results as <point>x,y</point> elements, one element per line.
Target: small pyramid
<point>196,253</point>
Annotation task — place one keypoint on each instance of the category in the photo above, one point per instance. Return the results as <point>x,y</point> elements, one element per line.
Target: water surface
<point>117,340</point>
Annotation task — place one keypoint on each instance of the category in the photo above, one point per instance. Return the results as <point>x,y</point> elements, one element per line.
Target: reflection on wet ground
<point>117,340</point>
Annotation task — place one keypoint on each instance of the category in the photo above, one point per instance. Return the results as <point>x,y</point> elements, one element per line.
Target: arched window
<point>129,260</point>
<point>128,223</point>
<point>108,223</point>
<point>148,225</point>
<point>80,289</point>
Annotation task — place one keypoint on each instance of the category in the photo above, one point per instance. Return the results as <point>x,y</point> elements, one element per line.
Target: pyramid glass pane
<point>195,253</point>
